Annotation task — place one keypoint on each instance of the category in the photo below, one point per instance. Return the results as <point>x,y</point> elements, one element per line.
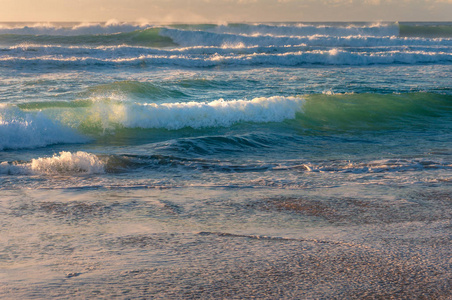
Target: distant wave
<point>311,29</point>
<point>228,40</point>
<point>121,30</point>
<point>206,46</point>
<point>171,37</point>
<point>430,30</point>
<point>332,56</point>
<point>143,37</point>
<point>70,29</point>
<point>280,29</point>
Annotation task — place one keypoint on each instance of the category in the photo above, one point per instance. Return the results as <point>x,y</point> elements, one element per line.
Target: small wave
<point>83,163</point>
<point>207,145</point>
<point>135,90</point>
<point>121,163</point>
<point>66,163</point>
<point>377,166</point>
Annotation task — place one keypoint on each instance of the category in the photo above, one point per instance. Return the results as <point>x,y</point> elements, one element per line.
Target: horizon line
<point>113,21</point>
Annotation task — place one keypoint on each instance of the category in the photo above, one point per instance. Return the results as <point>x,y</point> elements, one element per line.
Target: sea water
<point>276,160</point>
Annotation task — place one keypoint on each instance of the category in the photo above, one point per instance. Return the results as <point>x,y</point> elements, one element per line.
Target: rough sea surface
<point>269,161</point>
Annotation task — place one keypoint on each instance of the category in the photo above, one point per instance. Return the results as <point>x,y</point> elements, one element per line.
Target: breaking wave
<point>40,124</point>
<point>21,129</point>
<point>66,163</point>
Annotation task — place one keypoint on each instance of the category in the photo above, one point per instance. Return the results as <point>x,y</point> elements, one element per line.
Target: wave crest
<point>102,114</point>
<point>218,113</point>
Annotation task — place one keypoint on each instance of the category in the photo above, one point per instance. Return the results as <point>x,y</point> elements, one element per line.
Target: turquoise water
<point>160,161</point>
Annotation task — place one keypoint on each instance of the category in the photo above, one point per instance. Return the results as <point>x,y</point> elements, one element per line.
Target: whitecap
<point>64,163</point>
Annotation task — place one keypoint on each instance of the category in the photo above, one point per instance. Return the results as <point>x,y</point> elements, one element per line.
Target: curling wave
<point>40,124</point>
<point>21,129</point>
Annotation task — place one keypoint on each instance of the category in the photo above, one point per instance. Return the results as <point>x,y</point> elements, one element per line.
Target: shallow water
<point>233,161</point>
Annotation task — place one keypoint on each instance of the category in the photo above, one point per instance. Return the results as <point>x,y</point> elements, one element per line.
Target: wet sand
<point>365,250</point>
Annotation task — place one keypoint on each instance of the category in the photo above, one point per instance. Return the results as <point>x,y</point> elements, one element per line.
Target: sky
<point>218,11</point>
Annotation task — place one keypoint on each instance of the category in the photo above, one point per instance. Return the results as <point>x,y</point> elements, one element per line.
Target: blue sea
<point>226,161</point>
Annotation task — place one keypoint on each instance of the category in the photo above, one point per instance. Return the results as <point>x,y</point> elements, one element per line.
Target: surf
<point>39,124</point>
<point>64,163</point>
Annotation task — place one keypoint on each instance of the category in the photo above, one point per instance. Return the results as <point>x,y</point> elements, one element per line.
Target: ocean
<point>254,160</point>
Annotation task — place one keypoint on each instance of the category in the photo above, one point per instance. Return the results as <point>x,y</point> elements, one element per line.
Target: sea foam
<point>66,163</point>
<point>218,113</point>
